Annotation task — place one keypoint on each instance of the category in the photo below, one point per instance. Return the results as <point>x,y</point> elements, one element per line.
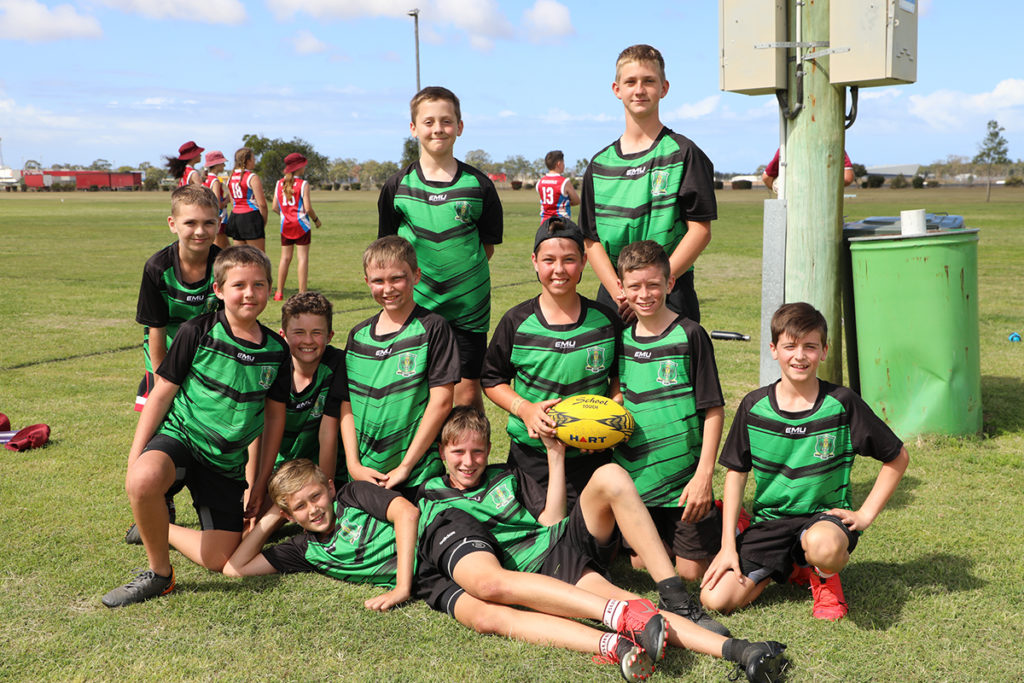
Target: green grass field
<point>935,586</point>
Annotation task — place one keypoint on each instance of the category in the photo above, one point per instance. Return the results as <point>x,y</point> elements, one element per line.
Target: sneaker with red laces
<point>829,602</point>
<point>801,576</point>
<point>642,623</point>
<point>634,662</point>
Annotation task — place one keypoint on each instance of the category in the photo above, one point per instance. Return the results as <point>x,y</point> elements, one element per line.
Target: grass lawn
<point>936,586</point>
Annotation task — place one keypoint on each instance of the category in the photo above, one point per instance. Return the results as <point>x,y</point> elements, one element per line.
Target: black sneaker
<point>146,584</point>
<point>762,662</point>
<point>132,536</point>
<point>642,624</point>
<point>688,608</point>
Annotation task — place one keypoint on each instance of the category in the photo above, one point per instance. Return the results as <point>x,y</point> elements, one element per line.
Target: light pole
<point>415,14</point>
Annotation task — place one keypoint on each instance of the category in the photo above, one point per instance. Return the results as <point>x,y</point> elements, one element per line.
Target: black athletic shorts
<point>691,541</point>
<point>682,298</point>
<point>216,497</point>
<point>771,548</point>
<point>472,347</point>
<point>246,226</point>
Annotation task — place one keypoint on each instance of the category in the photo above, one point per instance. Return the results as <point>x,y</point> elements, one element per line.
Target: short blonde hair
<point>290,479</point>
<point>194,195</point>
<point>640,53</point>
<point>388,251</point>
<point>240,255</point>
<point>462,420</point>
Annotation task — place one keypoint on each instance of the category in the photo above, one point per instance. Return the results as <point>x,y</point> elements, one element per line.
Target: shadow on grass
<point>901,497</point>
<point>221,584</point>
<point>1001,408</point>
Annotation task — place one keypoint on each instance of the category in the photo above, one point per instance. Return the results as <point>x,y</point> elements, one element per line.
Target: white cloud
<point>339,9</point>
<point>949,109</point>
<point>476,17</point>
<point>32,21</point>
<point>305,43</point>
<point>556,115</point>
<point>204,11</point>
<point>696,110</point>
<point>881,93</point>
<point>506,113</point>
<point>548,18</point>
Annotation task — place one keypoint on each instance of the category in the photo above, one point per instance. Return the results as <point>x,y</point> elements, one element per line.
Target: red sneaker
<point>742,523</point>
<point>643,624</point>
<point>801,576</point>
<point>634,662</point>
<point>829,602</point>
<point>278,296</point>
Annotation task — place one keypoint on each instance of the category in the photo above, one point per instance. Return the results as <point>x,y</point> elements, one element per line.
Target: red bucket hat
<point>32,436</point>
<point>189,150</point>
<point>293,162</point>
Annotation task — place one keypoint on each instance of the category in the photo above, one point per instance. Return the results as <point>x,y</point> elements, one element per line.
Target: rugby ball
<point>591,422</point>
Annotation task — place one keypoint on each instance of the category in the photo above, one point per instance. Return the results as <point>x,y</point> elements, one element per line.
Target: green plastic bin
<point>916,305</point>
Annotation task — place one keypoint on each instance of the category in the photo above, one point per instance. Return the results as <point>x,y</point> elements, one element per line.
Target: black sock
<point>733,648</point>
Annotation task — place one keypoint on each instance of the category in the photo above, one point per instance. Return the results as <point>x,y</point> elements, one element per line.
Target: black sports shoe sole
<point>769,667</point>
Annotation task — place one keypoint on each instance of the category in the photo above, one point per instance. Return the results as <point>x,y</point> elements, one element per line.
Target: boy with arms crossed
<point>399,376</point>
<point>799,436</point>
<point>650,184</point>
<point>491,538</point>
<point>224,380</point>
<point>451,214</point>
<point>669,382</point>
<point>364,534</point>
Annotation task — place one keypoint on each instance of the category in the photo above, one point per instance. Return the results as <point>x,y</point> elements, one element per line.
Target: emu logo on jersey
<point>318,407</point>
<point>267,375</point>
<point>825,448</point>
<point>639,170</point>
<point>501,496</point>
<point>462,212</point>
<point>668,372</point>
<point>595,359</point>
<point>406,364</point>
<point>659,183</point>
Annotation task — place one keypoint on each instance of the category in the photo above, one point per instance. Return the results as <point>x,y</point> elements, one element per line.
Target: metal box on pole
<point>882,39</point>
<point>743,24</point>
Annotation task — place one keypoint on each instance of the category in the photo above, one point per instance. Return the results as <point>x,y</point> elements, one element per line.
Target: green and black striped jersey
<point>361,549</point>
<point>647,195</point>
<point>165,301</point>
<point>802,461</point>
<point>448,224</point>
<point>500,504</point>
<point>305,408</point>
<point>543,361</point>
<point>388,378</point>
<point>667,383</point>
<point>223,382</point>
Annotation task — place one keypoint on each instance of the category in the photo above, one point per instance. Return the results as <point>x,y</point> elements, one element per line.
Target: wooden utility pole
<point>813,179</point>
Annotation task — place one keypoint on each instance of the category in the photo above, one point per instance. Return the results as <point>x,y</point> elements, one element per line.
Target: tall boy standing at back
<point>225,379</point>
<point>799,436</point>
<point>451,214</point>
<point>650,184</point>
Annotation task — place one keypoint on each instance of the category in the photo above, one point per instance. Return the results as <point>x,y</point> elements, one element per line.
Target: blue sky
<point>130,80</point>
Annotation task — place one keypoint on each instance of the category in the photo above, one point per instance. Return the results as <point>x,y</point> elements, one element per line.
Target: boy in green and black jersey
<point>553,346</point>
<point>224,380</point>
<point>363,534</point>
<point>451,214</point>
<point>669,382</point>
<point>399,375</point>
<point>650,184</point>
<point>799,436</point>
<point>177,281</point>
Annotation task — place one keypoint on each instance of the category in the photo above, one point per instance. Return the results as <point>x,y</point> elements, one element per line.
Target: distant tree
<point>32,165</point>
<point>410,151</point>
<point>480,159</point>
<point>154,175</point>
<point>874,180</point>
<point>342,171</point>
<point>270,154</point>
<point>100,165</point>
<point>992,150</point>
<point>539,168</point>
<point>917,181</point>
<point>518,167</point>
<point>373,173</point>
<point>859,171</point>
<point>580,167</point>
<point>124,169</point>
<point>899,182</point>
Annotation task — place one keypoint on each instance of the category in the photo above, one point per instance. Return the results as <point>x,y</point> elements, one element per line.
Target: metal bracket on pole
<point>790,44</point>
<point>829,51</point>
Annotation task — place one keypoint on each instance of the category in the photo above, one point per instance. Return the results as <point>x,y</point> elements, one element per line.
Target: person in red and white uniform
<point>215,163</point>
<point>556,192</point>
<point>182,167</point>
<point>249,206</point>
<point>291,200</point>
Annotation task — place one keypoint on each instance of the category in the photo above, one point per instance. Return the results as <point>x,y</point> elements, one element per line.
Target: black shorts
<point>246,226</point>
<point>682,298</point>
<point>452,536</point>
<point>472,347</point>
<point>691,541</point>
<point>578,469</point>
<point>216,497</point>
<point>771,548</point>
<point>578,551</point>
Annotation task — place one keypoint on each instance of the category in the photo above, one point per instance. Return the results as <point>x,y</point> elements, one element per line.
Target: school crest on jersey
<point>659,183</point>
<point>267,376</point>
<point>825,447</point>
<point>668,372</point>
<point>501,495</point>
<point>595,359</point>
<point>318,406</point>
<point>211,304</point>
<point>349,531</point>
<point>463,211</point>
<point>406,364</point>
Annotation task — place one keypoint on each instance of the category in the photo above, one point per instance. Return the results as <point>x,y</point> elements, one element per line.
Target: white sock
<point>824,575</point>
<point>613,613</point>
<point>608,642</point>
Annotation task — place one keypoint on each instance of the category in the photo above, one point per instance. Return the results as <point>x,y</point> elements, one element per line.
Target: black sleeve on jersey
<point>334,359</point>
<point>289,556</point>
<point>498,368</point>
<point>696,197</point>
<point>588,223</point>
<point>443,364</point>
<point>735,453</point>
<point>616,322</point>
<point>281,389</point>
<point>532,495</point>
<point>870,435</point>
<point>178,360</point>
<point>388,219</point>
<point>367,497</point>
<point>152,309</point>
<point>491,225</point>
<point>707,389</point>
